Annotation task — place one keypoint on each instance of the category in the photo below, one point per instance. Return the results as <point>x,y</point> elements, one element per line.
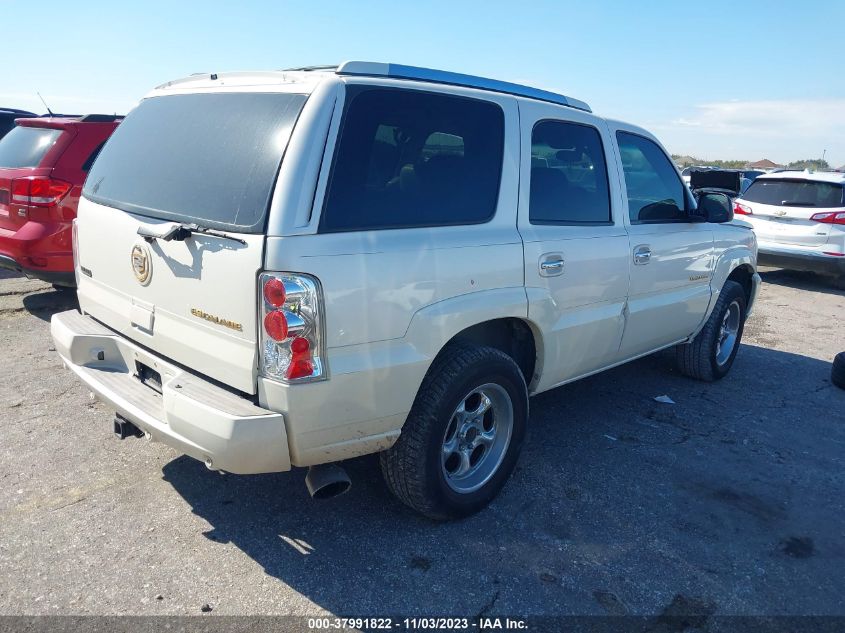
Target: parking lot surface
<point>729,501</point>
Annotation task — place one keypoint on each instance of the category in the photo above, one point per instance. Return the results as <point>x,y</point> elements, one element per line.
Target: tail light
<point>829,217</point>
<point>36,191</point>
<point>291,327</point>
<point>741,209</point>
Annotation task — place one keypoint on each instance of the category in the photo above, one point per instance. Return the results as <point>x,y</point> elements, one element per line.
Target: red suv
<point>43,164</point>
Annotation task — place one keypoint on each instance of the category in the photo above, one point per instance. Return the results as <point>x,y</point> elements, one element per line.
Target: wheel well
<point>512,336</point>
<point>742,275</point>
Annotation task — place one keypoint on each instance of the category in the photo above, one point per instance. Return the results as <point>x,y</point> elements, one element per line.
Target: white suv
<point>799,219</point>
<point>294,268</point>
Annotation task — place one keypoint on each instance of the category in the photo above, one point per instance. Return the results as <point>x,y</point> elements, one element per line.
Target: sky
<point>713,78</point>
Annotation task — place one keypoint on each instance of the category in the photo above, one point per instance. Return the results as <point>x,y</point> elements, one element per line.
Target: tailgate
<point>782,209</point>
<point>787,225</point>
<point>206,160</point>
<point>197,304</point>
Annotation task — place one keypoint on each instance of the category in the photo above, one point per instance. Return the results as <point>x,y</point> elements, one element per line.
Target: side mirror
<point>714,207</point>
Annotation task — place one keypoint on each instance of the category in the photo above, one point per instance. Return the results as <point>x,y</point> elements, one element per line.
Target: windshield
<point>26,146</point>
<point>795,193</point>
<point>209,159</point>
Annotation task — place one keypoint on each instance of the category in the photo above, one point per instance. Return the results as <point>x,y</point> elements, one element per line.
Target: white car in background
<point>799,219</point>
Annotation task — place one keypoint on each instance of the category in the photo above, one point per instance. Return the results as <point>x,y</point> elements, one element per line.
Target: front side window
<point>655,192</point>
<point>568,175</point>
<point>410,158</point>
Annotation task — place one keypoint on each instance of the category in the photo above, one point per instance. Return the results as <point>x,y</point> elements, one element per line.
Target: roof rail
<point>399,71</point>
<point>101,118</point>
<point>316,68</point>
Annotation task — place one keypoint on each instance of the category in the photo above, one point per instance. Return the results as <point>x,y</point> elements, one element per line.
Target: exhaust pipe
<point>326,481</point>
<point>123,428</point>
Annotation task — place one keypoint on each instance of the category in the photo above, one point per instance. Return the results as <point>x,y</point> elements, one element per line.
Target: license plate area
<point>148,376</point>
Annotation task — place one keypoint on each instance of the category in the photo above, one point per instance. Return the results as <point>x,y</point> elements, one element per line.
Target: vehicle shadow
<point>801,280</point>
<point>49,302</point>
<point>611,487</point>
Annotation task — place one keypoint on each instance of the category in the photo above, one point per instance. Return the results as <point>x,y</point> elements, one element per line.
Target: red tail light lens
<point>741,209</point>
<point>300,362</point>
<point>291,336</point>
<point>829,217</point>
<point>39,192</point>
<point>274,292</point>
<point>276,325</point>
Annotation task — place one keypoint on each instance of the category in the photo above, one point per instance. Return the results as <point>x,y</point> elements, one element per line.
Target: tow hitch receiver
<point>123,428</point>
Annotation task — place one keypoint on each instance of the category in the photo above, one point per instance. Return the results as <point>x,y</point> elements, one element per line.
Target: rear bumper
<point>815,261</point>
<point>191,414</point>
<point>40,251</point>
<point>52,277</point>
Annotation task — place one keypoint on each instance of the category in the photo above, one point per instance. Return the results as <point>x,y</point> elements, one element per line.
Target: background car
<point>799,219</point>
<point>7,119</point>
<point>43,164</point>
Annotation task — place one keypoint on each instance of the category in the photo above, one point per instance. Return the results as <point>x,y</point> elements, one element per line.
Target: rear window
<point>26,146</point>
<point>209,159</point>
<point>795,193</point>
<point>411,159</point>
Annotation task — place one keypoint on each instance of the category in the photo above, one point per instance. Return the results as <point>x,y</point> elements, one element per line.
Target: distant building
<point>841,168</point>
<point>763,164</point>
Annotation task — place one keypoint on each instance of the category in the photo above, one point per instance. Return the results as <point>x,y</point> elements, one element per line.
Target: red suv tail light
<point>829,217</point>
<point>291,317</point>
<point>741,209</point>
<point>36,191</point>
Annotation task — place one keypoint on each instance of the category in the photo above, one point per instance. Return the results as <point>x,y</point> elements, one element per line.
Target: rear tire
<point>710,355</point>
<point>837,371</point>
<point>463,435</point>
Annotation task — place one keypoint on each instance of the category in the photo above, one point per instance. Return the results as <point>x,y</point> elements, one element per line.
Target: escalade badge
<point>232,325</point>
<point>141,263</point>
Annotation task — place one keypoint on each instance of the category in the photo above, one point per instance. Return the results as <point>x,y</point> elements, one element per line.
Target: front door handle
<point>642,255</point>
<point>551,264</point>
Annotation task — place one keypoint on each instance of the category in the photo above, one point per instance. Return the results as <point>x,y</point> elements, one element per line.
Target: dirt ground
<point>730,501</point>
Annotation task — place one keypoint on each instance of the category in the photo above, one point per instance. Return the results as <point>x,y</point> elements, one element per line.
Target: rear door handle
<point>551,264</point>
<point>642,255</point>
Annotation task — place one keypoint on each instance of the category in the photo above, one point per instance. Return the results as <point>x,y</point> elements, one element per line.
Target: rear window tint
<point>795,193</point>
<point>209,159</point>
<point>409,158</point>
<point>26,146</point>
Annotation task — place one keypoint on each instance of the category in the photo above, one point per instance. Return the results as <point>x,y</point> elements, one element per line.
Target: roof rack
<point>312,68</point>
<point>399,71</point>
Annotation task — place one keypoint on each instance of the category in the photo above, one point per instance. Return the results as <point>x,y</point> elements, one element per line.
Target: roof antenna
<point>45,104</point>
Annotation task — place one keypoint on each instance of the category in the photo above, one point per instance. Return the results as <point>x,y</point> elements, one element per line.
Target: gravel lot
<point>728,502</point>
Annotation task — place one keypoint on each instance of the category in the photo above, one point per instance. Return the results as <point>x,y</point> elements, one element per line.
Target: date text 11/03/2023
<point>419,623</point>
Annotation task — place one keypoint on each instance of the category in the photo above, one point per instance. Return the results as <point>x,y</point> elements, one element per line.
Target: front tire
<point>462,438</point>
<point>710,355</point>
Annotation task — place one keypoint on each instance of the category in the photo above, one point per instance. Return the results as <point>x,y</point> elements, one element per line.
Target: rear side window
<point>409,158</point>
<point>209,159</point>
<point>795,193</point>
<point>655,192</point>
<point>26,146</point>
<point>568,175</point>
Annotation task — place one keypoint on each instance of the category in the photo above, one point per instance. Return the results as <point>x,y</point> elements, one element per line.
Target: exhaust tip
<point>326,481</point>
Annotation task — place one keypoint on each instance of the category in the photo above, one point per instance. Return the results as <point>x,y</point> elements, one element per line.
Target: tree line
<point>817,164</point>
